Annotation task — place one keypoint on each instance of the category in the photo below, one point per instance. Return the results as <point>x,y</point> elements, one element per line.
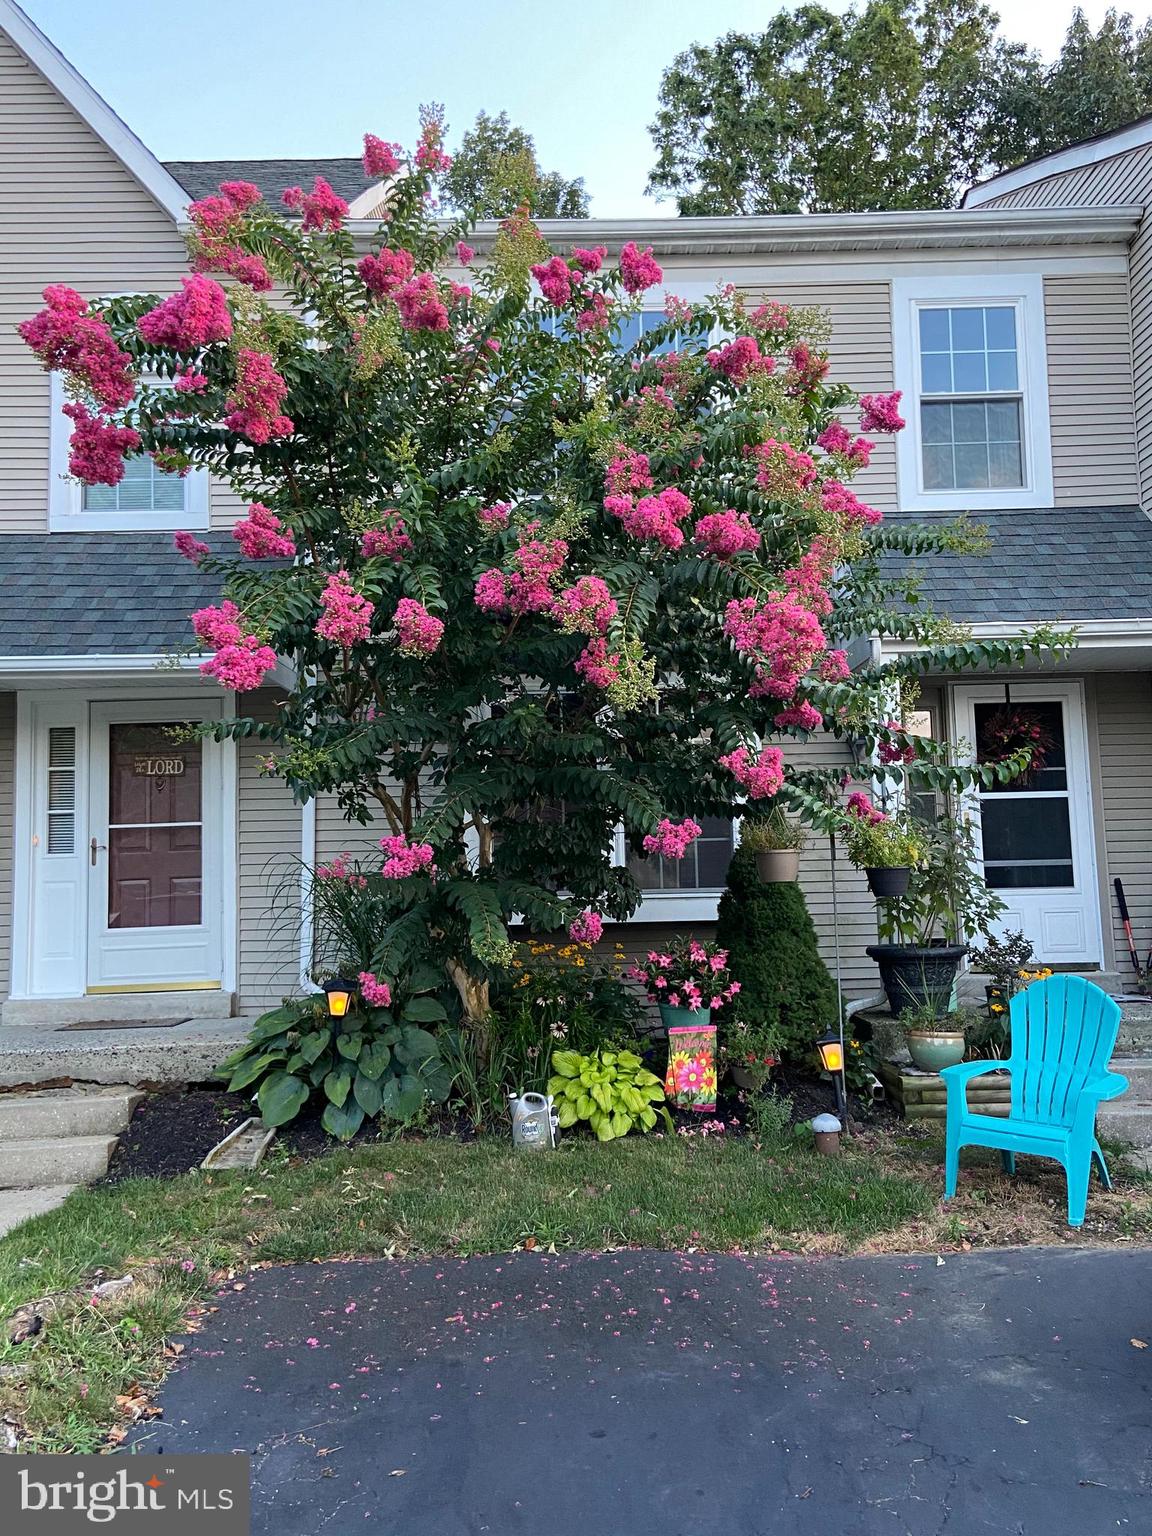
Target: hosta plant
<point>612,1090</point>
<point>375,1061</point>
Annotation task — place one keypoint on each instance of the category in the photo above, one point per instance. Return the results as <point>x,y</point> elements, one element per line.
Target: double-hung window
<point>970,362</point>
<point>146,499</point>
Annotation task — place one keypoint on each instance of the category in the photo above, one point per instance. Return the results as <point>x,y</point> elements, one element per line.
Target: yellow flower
<point>996,1007</point>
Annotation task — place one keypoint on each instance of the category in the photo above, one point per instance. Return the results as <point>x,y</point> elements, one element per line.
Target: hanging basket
<point>775,866</point>
<point>887,881</point>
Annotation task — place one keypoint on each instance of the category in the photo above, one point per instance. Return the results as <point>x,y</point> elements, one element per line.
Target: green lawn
<point>181,1237</point>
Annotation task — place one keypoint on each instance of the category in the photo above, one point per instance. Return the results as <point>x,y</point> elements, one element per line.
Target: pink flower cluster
<point>323,208</point>
<point>384,273</point>
<point>381,159</point>
<point>597,316</point>
<point>405,858</point>
<point>740,358</point>
<point>585,608</point>
<point>692,976</point>
<point>807,580</point>
<point>218,224</point>
<point>771,318</point>
<point>890,752</point>
<point>193,318</point>
<point>834,668</point>
<point>653,517</point>
<point>69,338</point>
<point>97,450</point>
<point>257,395</point>
<point>347,617</point>
<point>420,305</point>
<point>430,156</point>
<point>464,253</point>
<point>639,269</point>
<point>418,632</point>
<point>725,534</point>
<point>189,381</point>
<point>340,869</point>
<point>859,805</point>
<point>496,516</point>
<point>784,636</point>
<point>807,371</point>
<point>555,279</point>
<point>801,714</point>
<point>262,536</point>
<point>597,665</point>
<point>189,546</point>
<point>389,541</point>
<point>376,993</point>
<point>783,470</point>
<point>242,660</point>
<point>528,589</point>
<point>836,438</point>
<point>587,928</point>
<point>589,259</point>
<point>628,471</point>
<point>671,839</point>
<point>880,413</point>
<point>762,776</point>
<point>837,498</point>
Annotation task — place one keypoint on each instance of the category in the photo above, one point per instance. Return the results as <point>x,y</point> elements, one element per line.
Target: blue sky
<point>206,79</point>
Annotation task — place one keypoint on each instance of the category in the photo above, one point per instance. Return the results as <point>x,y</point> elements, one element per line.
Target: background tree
<point>895,105</point>
<point>491,539</point>
<point>1100,80</point>
<point>494,171</point>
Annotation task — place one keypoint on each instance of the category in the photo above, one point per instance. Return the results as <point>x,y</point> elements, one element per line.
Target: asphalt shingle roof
<point>99,594</point>
<point>1045,565</point>
<point>201,177</point>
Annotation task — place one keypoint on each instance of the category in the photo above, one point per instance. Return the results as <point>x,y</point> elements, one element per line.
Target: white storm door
<point>155,908</point>
<point>1035,832</point>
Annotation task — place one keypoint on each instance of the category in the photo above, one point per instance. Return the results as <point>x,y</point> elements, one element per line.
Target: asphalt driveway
<point>633,1393</point>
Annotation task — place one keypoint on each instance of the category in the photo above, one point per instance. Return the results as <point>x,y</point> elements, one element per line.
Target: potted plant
<point>776,841</point>
<point>687,981</point>
<point>1006,960</point>
<point>935,1040</point>
<point>750,1051</point>
<point>924,932</point>
<point>882,846</point>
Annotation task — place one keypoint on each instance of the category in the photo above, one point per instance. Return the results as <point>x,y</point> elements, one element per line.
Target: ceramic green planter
<point>931,1051</point>
<point>684,1018</point>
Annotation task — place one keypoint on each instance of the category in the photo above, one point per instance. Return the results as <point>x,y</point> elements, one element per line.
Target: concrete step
<point>65,1112</point>
<point>19,1205</point>
<point>1124,1121</point>
<point>44,1160</point>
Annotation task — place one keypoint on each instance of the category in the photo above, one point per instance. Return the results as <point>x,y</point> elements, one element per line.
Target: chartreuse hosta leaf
<point>612,1090</point>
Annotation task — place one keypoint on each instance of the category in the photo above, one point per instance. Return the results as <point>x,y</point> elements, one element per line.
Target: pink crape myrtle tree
<point>535,585</point>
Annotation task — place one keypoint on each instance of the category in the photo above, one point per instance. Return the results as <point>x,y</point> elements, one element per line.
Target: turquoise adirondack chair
<point>1063,1034</point>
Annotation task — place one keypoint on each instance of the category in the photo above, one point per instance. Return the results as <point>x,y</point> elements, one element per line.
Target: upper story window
<point>146,498</point>
<point>970,360</point>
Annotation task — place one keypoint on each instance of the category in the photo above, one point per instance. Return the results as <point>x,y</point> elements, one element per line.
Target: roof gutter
<point>1091,634</point>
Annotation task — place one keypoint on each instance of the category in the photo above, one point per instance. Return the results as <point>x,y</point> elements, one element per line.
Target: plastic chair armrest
<point>963,1071</point>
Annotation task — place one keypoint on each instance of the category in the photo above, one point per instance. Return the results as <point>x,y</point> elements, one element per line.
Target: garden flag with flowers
<point>691,1079</point>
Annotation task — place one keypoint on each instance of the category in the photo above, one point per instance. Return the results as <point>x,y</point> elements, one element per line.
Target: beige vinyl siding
<point>1089,347</point>
<point>1124,736</point>
<point>860,348</point>
<point>7,833</point>
<point>269,850</point>
<point>72,214</point>
<point>1121,179</point>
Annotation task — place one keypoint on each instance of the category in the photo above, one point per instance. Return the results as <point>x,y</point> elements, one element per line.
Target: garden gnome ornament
<point>533,1122</point>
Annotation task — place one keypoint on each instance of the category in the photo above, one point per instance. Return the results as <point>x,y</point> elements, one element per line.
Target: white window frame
<point>683,906</point>
<point>66,511</point>
<point>1025,293</point>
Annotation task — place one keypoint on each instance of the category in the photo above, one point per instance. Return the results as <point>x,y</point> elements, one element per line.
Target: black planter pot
<point>915,977</point>
<point>890,880</point>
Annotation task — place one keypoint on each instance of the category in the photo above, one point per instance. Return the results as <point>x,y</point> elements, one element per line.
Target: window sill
<point>1006,500</point>
<point>677,907</point>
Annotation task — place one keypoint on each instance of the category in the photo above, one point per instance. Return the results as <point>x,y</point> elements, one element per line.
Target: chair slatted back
<point>1063,1032</point>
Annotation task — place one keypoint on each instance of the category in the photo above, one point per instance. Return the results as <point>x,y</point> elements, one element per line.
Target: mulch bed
<point>173,1130</point>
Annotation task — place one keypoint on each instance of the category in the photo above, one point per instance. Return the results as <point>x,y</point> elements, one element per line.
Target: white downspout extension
<point>308,859</point>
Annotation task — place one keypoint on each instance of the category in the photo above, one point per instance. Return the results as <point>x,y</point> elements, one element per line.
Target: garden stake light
<point>338,991</point>
<point>831,1048</point>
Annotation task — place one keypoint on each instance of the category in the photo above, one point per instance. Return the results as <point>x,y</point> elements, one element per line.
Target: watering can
<point>533,1122</point>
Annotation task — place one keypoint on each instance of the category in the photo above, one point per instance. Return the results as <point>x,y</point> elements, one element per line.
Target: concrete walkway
<point>647,1393</point>
<point>183,1053</point>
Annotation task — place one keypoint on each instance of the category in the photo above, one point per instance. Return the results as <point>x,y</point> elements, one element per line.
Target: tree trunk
<point>476,999</point>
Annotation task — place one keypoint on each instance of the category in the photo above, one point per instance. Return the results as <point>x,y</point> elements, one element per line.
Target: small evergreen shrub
<point>772,952</point>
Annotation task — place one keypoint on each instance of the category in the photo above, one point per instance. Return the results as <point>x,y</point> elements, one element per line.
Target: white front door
<point>1035,832</point>
<point>155,828</point>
